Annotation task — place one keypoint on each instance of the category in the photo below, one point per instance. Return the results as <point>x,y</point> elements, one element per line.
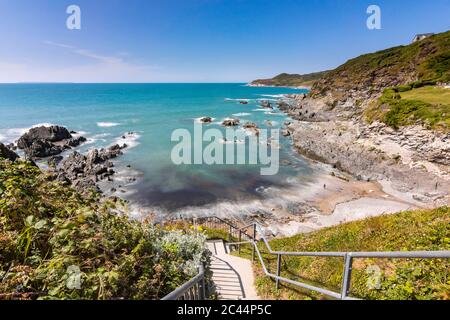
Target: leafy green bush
<point>52,237</point>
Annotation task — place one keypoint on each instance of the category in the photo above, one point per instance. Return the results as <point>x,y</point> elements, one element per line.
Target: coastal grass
<point>407,279</point>
<point>406,105</point>
<point>430,95</point>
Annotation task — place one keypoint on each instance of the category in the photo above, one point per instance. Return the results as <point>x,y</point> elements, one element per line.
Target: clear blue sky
<point>199,40</point>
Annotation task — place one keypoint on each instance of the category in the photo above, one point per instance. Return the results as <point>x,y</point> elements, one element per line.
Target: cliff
<point>383,116</point>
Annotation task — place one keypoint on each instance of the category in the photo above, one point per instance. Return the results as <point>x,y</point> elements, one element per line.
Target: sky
<point>199,40</point>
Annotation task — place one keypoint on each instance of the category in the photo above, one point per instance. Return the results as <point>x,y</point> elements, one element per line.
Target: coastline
<point>345,184</point>
<point>333,198</point>
<point>357,186</point>
<point>289,87</point>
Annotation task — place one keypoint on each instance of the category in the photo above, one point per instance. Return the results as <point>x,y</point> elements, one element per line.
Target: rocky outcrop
<point>42,142</point>
<point>8,154</point>
<point>206,120</point>
<point>84,171</point>
<point>252,128</point>
<point>412,160</point>
<point>286,133</point>
<point>50,134</point>
<point>250,125</point>
<point>230,122</point>
<point>266,104</point>
<point>54,161</point>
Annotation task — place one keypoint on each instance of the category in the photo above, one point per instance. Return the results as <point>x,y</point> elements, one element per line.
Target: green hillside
<point>291,80</point>
<point>409,105</point>
<point>400,278</point>
<point>426,61</point>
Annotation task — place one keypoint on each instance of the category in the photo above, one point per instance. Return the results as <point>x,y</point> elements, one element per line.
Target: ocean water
<point>146,176</point>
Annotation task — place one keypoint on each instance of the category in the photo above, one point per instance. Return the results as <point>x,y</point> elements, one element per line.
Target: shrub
<point>52,237</point>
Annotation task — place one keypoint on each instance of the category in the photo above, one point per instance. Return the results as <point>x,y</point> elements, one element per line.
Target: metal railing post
<point>240,239</point>
<point>203,289</point>
<point>347,279</point>
<point>254,242</point>
<point>278,271</point>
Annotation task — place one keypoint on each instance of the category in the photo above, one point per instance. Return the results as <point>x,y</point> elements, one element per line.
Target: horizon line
<point>63,82</point>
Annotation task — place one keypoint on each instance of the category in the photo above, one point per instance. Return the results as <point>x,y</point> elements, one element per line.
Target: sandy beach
<point>333,200</point>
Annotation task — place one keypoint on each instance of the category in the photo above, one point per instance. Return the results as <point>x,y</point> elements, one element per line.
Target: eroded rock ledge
<point>411,159</point>
<point>84,171</point>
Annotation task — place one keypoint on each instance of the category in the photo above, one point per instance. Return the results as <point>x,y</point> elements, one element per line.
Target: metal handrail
<point>348,260</point>
<point>194,289</point>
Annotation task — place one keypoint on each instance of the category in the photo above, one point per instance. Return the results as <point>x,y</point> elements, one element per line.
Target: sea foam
<point>242,114</point>
<point>108,124</point>
<point>12,134</point>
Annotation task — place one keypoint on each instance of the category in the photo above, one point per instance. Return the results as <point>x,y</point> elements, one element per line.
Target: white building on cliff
<point>422,36</point>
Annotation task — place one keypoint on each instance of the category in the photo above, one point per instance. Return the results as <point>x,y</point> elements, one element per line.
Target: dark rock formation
<point>84,171</point>
<point>42,142</point>
<point>230,122</point>
<point>250,125</point>
<point>50,134</point>
<point>286,133</point>
<point>266,104</point>
<point>6,153</point>
<point>206,120</point>
<point>54,161</point>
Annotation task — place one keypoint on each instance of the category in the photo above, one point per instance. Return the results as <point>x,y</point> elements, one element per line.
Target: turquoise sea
<point>103,113</point>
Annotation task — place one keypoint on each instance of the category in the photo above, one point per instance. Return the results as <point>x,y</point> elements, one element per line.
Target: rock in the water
<point>286,133</point>
<point>6,153</point>
<point>249,125</point>
<point>42,142</point>
<point>266,104</point>
<point>206,120</point>
<point>84,171</point>
<point>12,147</point>
<point>51,134</point>
<point>42,149</point>
<point>75,142</point>
<point>230,122</point>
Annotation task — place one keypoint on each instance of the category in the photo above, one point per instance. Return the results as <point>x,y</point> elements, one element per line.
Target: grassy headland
<point>399,278</point>
<point>425,61</point>
<point>408,105</point>
<point>291,80</point>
